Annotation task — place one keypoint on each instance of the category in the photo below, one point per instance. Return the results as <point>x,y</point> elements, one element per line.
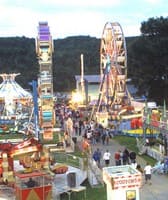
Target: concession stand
<point>36,185</point>
<point>122,182</point>
<point>102,118</point>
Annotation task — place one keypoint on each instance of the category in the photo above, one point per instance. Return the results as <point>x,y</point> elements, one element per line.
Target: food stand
<point>36,185</point>
<point>122,182</point>
<point>102,118</point>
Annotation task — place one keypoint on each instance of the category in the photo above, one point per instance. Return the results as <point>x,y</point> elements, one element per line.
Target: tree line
<point>146,55</point>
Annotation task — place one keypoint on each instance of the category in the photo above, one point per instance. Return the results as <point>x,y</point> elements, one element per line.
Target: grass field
<point>130,143</point>
<point>91,193</point>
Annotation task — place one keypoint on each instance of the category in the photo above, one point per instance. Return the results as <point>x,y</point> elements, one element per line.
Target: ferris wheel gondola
<point>113,67</point>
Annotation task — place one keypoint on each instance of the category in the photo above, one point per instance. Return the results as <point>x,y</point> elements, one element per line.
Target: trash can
<point>71,179</point>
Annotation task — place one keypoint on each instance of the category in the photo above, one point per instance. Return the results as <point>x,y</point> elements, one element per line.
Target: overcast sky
<point>76,17</point>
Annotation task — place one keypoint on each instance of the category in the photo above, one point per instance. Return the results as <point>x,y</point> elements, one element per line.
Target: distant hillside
<point>17,54</point>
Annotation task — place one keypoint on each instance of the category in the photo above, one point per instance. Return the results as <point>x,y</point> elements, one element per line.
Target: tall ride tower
<point>44,50</point>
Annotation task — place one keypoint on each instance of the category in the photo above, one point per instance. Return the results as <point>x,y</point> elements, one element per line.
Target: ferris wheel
<point>113,67</point>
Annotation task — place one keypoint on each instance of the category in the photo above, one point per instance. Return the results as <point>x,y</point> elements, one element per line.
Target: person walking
<point>148,173</point>
<point>106,158</point>
<point>134,164</point>
<point>125,157</point>
<point>139,168</point>
<point>132,156</point>
<point>103,137</point>
<point>80,126</point>
<point>97,157</point>
<point>117,158</point>
<point>107,137</point>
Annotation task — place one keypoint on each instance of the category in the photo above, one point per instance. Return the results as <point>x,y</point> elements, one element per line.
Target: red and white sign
<point>127,182</point>
<point>123,182</point>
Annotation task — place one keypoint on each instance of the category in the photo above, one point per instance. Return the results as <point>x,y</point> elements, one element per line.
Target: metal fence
<point>69,159</point>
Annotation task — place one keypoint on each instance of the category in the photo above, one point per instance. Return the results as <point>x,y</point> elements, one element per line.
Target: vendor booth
<point>122,182</point>
<point>35,185</point>
<point>102,118</point>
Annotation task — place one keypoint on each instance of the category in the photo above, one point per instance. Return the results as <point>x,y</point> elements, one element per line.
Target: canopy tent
<point>13,98</point>
<point>10,89</point>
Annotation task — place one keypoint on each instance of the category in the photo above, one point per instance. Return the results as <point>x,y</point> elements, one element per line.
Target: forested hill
<point>67,59</point>
<point>17,55</point>
<point>147,61</point>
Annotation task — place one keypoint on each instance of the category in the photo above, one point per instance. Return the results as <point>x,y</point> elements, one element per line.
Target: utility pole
<point>82,80</point>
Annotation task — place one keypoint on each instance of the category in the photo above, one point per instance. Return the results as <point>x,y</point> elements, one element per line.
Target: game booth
<point>122,182</point>
<point>35,185</point>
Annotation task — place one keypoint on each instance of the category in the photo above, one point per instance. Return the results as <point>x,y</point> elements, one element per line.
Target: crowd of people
<point>124,158</point>
<point>161,167</point>
<point>76,123</point>
<point>121,157</point>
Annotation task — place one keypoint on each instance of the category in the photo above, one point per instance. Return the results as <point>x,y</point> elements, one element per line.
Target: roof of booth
<point>9,88</point>
<point>89,78</point>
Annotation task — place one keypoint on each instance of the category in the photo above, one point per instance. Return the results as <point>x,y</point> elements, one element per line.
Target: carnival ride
<point>44,50</point>
<point>35,162</point>
<point>34,157</point>
<point>15,104</point>
<point>113,68</point>
<point>114,98</point>
<point>29,152</point>
<point>14,100</point>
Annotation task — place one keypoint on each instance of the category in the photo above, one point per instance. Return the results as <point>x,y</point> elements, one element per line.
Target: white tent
<point>12,95</point>
<point>10,89</point>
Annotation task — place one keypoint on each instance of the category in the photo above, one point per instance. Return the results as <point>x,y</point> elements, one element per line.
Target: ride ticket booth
<point>122,182</point>
<point>35,185</point>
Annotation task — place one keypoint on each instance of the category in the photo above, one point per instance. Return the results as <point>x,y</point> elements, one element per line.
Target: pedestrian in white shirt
<point>134,164</point>
<point>106,158</point>
<point>148,173</point>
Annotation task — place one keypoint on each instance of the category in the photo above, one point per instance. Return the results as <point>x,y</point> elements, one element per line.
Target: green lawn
<point>130,143</point>
<point>91,193</point>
